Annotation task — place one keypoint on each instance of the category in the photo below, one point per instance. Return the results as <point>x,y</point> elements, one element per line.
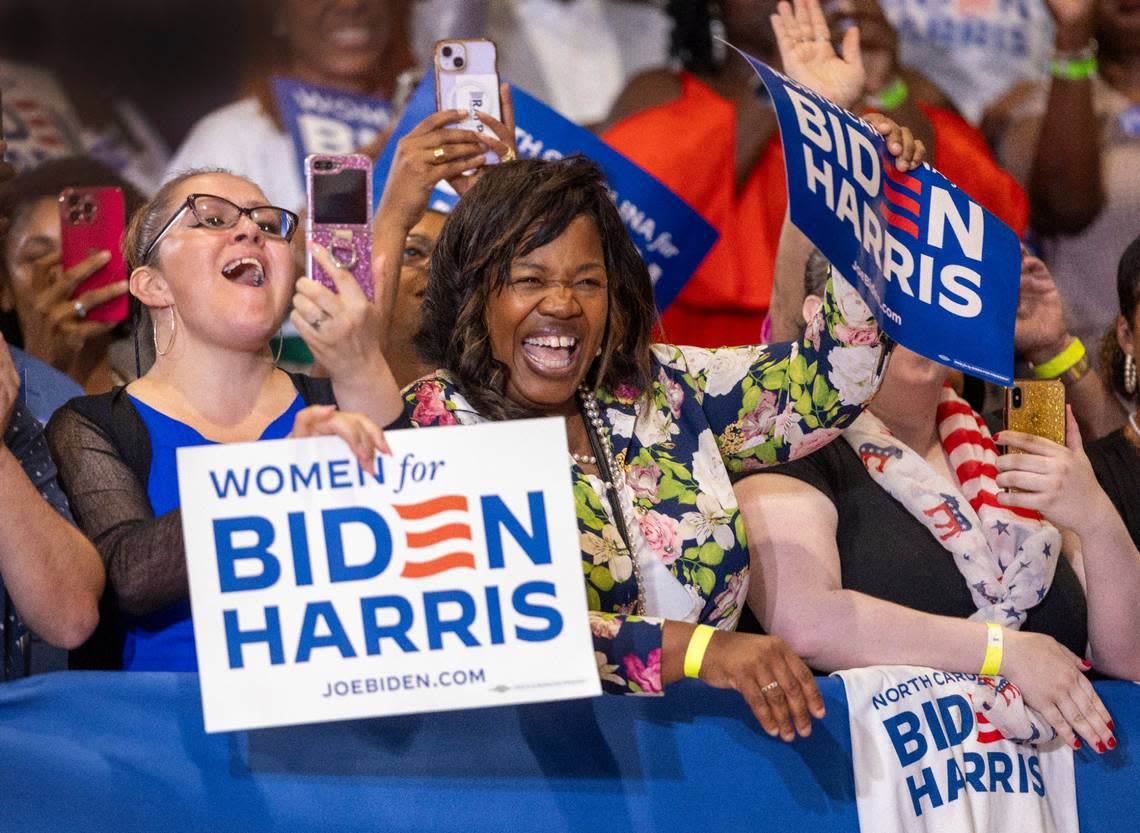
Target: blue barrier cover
<point>99,751</point>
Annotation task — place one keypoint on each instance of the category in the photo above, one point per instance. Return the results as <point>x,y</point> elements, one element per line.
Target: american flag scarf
<point>1006,555</point>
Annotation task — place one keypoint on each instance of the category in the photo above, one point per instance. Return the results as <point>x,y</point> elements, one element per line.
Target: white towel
<point>927,759</point>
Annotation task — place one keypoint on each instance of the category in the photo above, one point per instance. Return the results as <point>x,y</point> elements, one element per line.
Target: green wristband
<point>891,98</point>
<point>1073,69</point>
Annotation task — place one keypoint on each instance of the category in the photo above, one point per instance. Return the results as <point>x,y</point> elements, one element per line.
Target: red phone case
<point>93,220</point>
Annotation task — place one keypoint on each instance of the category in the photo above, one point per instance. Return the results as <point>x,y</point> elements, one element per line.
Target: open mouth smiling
<point>551,354</point>
<point>246,271</point>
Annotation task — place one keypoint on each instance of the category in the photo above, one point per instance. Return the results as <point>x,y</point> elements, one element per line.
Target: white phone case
<point>467,78</point>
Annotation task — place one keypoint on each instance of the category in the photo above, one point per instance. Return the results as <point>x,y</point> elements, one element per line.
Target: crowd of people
<point>692,442</point>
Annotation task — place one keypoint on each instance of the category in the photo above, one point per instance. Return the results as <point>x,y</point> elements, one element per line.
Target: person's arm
<point>52,573</point>
<point>143,555</point>
<point>797,593</point>
<point>1058,481</point>
<point>1065,188</point>
<point>779,402</point>
<point>1040,335</point>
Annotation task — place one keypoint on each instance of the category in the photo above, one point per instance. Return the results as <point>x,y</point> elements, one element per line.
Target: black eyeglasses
<point>219,213</point>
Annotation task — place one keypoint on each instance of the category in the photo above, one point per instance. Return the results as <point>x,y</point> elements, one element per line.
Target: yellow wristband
<point>1061,362</point>
<point>995,645</point>
<point>695,653</point>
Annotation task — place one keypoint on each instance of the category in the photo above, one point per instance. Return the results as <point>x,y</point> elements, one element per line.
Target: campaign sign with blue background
<point>940,272</point>
<point>321,592</point>
<point>324,120</point>
<point>672,237</point>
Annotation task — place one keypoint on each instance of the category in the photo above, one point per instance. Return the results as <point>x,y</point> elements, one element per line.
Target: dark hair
<point>691,40</point>
<point>1128,293</point>
<point>515,208</point>
<point>46,180</point>
<point>49,178</point>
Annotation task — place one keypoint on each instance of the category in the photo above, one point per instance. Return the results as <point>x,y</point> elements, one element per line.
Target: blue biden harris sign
<point>939,271</point>
<point>449,579</point>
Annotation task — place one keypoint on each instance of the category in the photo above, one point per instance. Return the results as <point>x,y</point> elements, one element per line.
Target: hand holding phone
<point>340,215</point>
<point>1036,406</point>
<point>92,221</point>
<point>467,78</point>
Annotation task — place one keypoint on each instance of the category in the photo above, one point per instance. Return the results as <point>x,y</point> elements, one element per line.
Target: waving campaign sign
<point>939,271</point>
<point>324,120</point>
<point>672,237</point>
<point>320,592</point>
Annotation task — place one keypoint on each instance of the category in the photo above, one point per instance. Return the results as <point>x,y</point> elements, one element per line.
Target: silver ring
<point>80,310</point>
<point>769,687</point>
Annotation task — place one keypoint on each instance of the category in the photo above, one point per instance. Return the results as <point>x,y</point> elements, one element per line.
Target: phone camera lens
<point>1016,397</point>
<point>323,165</point>
<point>72,199</point>
<point>73,215</point>
<point>446,51</point>
<point>458,63</point>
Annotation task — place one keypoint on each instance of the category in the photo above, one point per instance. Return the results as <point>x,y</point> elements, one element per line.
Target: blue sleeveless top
<point>164,640</point>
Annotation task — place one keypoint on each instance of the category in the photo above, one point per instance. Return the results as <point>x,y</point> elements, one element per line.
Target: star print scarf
<point>1006,555</point>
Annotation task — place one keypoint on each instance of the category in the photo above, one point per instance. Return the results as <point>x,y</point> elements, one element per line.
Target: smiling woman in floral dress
<point>538,304</point>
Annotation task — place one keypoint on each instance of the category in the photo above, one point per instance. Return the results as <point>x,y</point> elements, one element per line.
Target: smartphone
<point>340,214</point>
<point>1036,406</point>
<point>93,220</point>
<point>467,78</point>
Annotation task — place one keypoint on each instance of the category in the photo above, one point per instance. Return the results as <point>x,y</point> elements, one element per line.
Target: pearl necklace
<point>610,473</point>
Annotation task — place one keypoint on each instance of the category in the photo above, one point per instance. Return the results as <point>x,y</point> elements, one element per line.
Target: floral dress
<point>706,413</point>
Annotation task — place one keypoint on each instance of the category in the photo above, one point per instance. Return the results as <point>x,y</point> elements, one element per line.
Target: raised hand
<point>1073,12</point>
<point>1055,480</point>
<point>54,328</point>
<point>809,58</point>
<point>1040,332</point>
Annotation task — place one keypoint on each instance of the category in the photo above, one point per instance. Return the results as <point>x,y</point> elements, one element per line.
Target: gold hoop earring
<point>1129,374</point>
<point>173,332</point>
<point>280,348</point>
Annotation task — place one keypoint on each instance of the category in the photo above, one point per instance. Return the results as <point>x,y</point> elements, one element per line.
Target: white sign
<point>928,758</point>
<point>451,579</point>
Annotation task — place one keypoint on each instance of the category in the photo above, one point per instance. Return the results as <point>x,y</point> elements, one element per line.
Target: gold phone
<point>1036,406</point>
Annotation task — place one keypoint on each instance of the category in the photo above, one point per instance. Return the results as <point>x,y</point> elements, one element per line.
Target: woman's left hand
<point>361,434</point>
<point>342,328</point>
<point>1056,480</point>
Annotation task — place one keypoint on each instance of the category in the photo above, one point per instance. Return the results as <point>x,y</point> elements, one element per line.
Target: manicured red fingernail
<point>1112,743</point>
<point>1086,664</point>
<point>1100,747</point>
<point>1111,727</point>
<point>1077,743</point>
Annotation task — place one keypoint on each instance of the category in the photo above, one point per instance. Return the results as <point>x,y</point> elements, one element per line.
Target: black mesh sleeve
<point>144,555</point>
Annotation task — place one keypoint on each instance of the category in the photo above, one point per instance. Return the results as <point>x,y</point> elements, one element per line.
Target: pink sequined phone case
<point>339,189</point>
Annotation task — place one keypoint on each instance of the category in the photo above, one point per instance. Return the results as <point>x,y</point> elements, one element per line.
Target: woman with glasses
<point>211,263</point>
